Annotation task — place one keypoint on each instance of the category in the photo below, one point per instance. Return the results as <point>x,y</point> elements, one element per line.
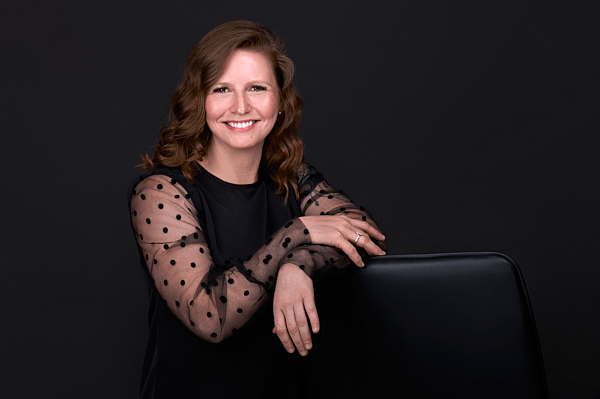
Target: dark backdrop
<point>463,126</point>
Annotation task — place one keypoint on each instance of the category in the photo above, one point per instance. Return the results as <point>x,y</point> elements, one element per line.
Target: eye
<point>257,88</point>
<point>221,89</point>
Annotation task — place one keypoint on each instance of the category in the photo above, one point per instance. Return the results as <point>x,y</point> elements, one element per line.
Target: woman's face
<point>242,107</point>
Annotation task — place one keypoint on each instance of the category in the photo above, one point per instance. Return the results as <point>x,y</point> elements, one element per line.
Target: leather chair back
<point>426,326</point>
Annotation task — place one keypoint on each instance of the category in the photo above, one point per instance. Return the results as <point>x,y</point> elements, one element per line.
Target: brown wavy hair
<point>185,139</point>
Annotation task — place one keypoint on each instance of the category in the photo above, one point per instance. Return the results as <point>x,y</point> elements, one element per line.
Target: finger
<point>382,245</point>
<point>302,323</point>
<point>369,246</point>
<point>282,332</point>
<point>364,240</point>
<point>350,229</point>
<point>367,228</point>
<point>360,239</point>
<point>294,332</point>
<point>351,251</point>
<point>311,311</point>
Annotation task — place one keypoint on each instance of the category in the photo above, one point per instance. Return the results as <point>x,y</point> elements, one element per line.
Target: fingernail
<point>308,347</point>
<point>290,350</point>
<point>303,353</point>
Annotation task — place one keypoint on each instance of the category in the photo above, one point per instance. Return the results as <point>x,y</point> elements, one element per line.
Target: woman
<point>227,216</point>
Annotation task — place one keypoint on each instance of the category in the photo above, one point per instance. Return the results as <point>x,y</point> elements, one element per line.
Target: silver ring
<point>358,235</point>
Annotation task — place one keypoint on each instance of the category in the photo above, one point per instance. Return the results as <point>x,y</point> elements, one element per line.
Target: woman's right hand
<point>293,300</point>
<point>341,232</point>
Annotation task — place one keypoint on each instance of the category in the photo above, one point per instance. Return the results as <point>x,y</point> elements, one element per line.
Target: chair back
<point>426,326</point>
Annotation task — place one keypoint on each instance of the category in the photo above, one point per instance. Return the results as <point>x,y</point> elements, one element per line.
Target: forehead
<point>248,65</point>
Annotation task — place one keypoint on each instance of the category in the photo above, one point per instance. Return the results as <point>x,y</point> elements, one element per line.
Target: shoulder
<point>173,174</point>
<point>307,179</point>
<point>159,187</point>
<point>163,176</point>
<point>164,182</point>
<point>308,173</point>
<point>156,182</point>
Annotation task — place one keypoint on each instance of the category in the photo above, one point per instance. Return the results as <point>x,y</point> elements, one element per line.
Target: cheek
<point>213,110</point>
<point>271,106</point>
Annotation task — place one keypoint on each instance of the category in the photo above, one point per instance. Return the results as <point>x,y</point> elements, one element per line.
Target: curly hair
<point>185,139</point>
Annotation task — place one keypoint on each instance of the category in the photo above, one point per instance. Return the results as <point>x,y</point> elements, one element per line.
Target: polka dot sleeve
<point>319,198</point>
<point>213,300</point>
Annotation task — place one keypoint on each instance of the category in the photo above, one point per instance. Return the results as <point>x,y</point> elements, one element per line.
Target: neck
<point>233,166</point>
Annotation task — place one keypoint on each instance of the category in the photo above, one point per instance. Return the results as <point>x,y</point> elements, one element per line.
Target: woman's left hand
<point>294,299</point>
<point>346,234</point>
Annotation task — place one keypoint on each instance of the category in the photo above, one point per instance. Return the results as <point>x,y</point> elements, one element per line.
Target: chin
<point>246,145</point>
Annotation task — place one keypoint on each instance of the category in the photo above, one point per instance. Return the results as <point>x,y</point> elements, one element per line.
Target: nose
<point>240,104</point>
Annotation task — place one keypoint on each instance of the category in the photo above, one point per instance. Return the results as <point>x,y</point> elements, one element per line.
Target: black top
<point>210,252</point>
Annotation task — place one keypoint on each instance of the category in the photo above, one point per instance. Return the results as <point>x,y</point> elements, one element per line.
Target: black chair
<point>425,326</point>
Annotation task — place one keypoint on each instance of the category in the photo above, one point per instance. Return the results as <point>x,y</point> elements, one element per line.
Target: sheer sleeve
<point>319,198</point>
<point>213,300</point>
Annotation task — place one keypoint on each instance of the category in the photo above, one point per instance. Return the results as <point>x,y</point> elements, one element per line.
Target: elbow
<point>219,339</point>
<point>215,338</point>
<point>212,334</point>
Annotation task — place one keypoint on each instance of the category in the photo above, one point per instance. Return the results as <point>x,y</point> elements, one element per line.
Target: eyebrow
<point>251,83</point>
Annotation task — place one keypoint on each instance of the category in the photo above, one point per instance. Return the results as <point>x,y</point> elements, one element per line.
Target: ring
<point>358,235</point>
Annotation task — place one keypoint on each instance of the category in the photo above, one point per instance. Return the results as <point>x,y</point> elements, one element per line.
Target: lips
<point>241,125</point>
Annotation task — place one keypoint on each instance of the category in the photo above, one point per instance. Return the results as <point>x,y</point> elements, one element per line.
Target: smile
<point>241,125</point>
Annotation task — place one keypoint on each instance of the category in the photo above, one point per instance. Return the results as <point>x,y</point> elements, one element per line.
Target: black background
<point>463,126</point>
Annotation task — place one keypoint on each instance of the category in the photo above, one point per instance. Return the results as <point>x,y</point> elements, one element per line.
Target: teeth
<point>240,124</point>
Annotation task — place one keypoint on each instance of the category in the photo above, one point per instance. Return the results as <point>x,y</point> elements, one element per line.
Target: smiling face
<point>242,107</point>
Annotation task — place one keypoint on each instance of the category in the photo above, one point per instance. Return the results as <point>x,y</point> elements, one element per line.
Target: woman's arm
<point>212,300</point>
<point>333,221</point>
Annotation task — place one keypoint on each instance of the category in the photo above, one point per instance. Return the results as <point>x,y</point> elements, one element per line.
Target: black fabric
<point>201,245</point>
<point>243,216</point>
<point>178,364</point>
